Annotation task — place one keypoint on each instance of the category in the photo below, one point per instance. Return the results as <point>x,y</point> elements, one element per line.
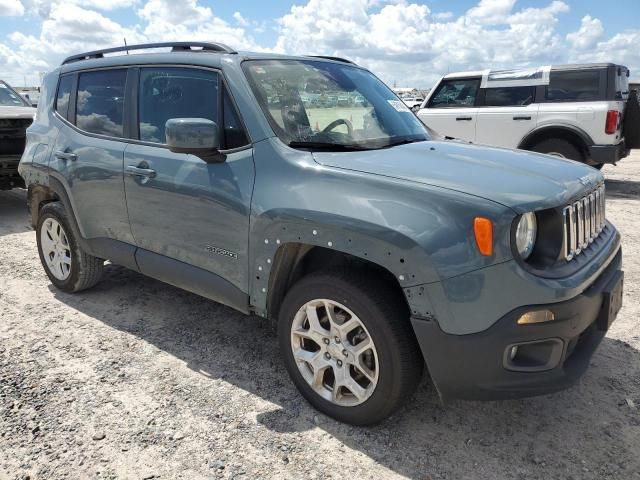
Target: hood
<point>17,112</point>
<point>523,181</point>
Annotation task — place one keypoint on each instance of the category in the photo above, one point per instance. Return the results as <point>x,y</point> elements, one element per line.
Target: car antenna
<point>125,44</point>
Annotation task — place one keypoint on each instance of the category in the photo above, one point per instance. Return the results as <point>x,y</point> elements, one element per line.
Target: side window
<point>64,95</point>
<point>169,92</point>
<point>456,93</point>
<point>508,96</point>
<point>100,102</point>
<point>234,134</point>
<point>573,86</point>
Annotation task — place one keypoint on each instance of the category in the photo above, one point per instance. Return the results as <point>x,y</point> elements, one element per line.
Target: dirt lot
<point>136,379</point>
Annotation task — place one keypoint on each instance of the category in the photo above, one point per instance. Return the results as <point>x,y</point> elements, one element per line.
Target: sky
<point>404,42</point>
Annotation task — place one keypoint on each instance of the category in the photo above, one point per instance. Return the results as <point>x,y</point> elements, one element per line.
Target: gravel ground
<point>137,379</point>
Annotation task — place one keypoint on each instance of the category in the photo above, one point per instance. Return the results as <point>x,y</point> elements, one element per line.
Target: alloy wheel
<point>334,352</point>
<point>55,249</point>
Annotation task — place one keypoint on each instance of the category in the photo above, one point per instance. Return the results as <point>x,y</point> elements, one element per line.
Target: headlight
<point>526,234</point>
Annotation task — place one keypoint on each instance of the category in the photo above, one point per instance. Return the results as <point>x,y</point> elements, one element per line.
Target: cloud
<point>11,8</point>
<point>405,42</point>
<point>490,12</point>
<point>240,19</point>
<point>586,37</point>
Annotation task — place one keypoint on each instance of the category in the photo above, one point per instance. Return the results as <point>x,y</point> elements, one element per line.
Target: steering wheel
<point>339,121</point>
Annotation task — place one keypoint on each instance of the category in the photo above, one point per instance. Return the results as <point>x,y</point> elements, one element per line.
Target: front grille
<point>584,221</point>
<point>12,123</point>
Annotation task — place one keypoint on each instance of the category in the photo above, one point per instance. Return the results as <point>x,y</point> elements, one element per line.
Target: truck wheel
<point>559,148</point>
<point>348,346</point>
<point>68,267</point>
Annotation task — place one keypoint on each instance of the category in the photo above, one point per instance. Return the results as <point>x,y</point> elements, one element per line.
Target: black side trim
<point>119,253</point>
<point>193,279</point>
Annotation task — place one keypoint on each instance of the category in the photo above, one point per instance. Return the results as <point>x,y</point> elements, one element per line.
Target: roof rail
<point>175,47</point>
<point>335,59</point>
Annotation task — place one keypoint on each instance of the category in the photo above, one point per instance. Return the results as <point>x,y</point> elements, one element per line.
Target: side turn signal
<point>483,231</point>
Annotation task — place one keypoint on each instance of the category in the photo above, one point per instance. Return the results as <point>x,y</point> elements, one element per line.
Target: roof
<point>569,66</point>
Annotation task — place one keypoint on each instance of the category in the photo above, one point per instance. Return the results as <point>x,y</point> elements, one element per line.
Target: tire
<point>68,267</point>
<point>395,360</point>
<point>559,148</point>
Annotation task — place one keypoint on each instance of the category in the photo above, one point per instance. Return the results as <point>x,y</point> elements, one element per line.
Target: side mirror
<point>196,136</point>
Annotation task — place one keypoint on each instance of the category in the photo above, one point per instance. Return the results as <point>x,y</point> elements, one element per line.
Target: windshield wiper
<point>340,147</point>
<point>404,141</point>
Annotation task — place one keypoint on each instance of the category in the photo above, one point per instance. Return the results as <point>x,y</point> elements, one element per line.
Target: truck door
<point>506,115</point>
<point>451,109</point>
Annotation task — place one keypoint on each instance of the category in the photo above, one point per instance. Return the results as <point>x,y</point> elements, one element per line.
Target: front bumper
<point>9,176</point>
<point>608,153</point>
<point>475,366</point>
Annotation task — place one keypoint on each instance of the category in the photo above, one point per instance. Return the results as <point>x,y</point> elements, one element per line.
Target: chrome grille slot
<point>584,221</point>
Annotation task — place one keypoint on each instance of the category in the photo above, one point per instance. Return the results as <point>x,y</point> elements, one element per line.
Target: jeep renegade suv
<point>15,117</point>
<point>570,111</point>
<point>373,246</point>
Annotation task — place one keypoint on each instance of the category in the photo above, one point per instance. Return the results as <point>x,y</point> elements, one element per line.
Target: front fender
<point>421,234</point>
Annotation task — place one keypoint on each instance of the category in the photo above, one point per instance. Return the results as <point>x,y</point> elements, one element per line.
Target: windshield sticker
<point>399,105</point>
<point>2,85</point>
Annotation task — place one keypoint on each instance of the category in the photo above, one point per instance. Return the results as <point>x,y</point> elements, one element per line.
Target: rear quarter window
<point>64,95</point>
<point>574,86</point>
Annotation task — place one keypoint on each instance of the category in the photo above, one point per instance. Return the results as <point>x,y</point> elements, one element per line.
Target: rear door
<point>89,150</point>
<point>186,209</point>
<point>506,115</point>
<point>451,109</point>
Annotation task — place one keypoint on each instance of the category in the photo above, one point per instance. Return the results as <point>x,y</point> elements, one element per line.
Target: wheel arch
<point>576,136</point>
<point>293,261</point>
<point>283,250</point>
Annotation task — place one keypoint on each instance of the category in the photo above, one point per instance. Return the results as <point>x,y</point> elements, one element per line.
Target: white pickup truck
<point>571,111</point>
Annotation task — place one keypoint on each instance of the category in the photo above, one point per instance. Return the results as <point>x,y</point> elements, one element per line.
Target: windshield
<point>9,98</point>
<point>317,104</point>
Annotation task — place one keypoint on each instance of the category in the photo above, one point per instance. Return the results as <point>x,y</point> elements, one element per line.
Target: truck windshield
<point>334,106</point>
<point>10,98</point>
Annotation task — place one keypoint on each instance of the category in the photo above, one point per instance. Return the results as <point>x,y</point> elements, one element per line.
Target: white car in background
<point>412,102</point>
<point>571,111</point>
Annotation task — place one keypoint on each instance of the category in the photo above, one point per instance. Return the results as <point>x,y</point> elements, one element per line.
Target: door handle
<point>466,119</point>
<point>60,155</point>
<point>526,117</point>
<point>140,172</point>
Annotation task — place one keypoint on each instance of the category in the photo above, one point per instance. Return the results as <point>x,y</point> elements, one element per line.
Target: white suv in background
<point>572,111</point>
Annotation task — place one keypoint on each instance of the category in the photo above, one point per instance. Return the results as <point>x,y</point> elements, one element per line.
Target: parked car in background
<point>370,244</point>
<point>570,111</point>
<point>16,115</point>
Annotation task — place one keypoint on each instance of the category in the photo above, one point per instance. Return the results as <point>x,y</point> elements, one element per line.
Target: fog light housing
<point>538,316</point>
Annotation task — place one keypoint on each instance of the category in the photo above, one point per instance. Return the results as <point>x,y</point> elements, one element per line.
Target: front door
<point>451,110</point>
<point>180,206</point>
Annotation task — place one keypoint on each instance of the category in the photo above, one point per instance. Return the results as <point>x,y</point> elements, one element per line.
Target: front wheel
<point>348,346</point>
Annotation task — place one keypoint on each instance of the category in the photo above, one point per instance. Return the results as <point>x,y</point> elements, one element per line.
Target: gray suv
<point>374,246</point>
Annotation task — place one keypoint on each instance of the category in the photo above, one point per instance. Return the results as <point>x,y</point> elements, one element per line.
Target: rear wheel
<point>68,267</point>
<point>349,347</point>
<point>559,147</point>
